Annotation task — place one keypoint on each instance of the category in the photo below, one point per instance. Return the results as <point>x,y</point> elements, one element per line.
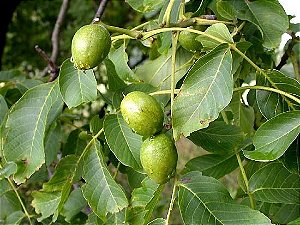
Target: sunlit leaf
<point>274,137</point>
<point>76,86</point>
<point>206,196</point>
<point>101,191</point>
<point>275,184</point>
<point>25,129</point>
<point>123,142</point>
<point>206,91</point>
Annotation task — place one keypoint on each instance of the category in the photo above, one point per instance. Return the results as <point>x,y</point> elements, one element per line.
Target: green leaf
<point>219,137</point>
<point>56,190</point>
<point>158,72</point>
<point>207,197</point>
<point>135,215</point>
<point>25,129</point>
<point>145,5</point>
<point>63,174</point>
<point>213,165</point>
<point>147,197</point>
<point>274,137</point>
<point>271,104</point>
<point>74,144</point>
<point>9,75</point>
<point>96,124</point>
<point>275,184</point>
<point>114,81</point>
<point>124,143</point>
<point>14,218</point>
<point>76,86</point>
<point>45,203</point>
<point>24,85</point>
<point>9,204</point>
<point>100,190</point>
<point>4,186</point>
<point>269,17</point>
<point>53,141</point>
<point>3,108</point>
<point>243,115</point>
<point>8,169</point>
<point>226,10</point>
<point>119,58</point>
<point>286,213</point>
<point>205,92</point>
<point>75,203</point>
<point>157,221</point>
<point>295,222</point>
<point>141,196</point>
<point>218,30</point>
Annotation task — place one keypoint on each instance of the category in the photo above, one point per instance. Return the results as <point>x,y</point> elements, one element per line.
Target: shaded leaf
<point>219,31</point>
<point>114,81</point>
<point>27,84</point>
<point>96,124</point>
<point>274,137</point>
<point>158,72</point>
<point>8,169</point>
<point>101,191</point>
<point>124,143</point>
<point>53,142</point>
<point>219,137</point>
<point>226,10</point>
<point>76,86</point>
<point>275,184</point>
<point>295,222</point>
<point>269,17</point>
<point>206,196</point>
<point>213,165</point>
<point>119,59</point>
<point>3,108</point>
<point>145,5</point>
<point>206,91</point>
<point>75,203</point>
<point>74,145</point>
<point>25,129</point>
<point>14,218</point>
<point>9,204</point>
<point>286,213</point>
<point>243,116</point>
<point>157,221</point>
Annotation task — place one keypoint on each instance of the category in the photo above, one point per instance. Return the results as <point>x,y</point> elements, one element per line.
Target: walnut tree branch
<point>56,30</point>
<point>100,10</point>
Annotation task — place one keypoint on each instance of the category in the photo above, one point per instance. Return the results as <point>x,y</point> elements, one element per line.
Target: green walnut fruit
<point>142,113</point>
<point>90,45</point>
<point>159,158</point>
<point>188,42</point>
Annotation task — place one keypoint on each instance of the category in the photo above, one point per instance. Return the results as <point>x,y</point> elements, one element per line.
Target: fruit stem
<point>172,201</point>
<point>132,33</point>
<point>164,92</point>
<point>197,21</point>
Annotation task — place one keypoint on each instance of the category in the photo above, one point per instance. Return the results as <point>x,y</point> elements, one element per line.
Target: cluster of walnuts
<point>142,113</point>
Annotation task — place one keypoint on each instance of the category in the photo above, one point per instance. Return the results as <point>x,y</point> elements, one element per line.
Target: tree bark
<point>7,8</point>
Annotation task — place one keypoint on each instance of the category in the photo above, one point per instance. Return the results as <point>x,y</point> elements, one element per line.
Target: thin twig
<point>55,33</point>
<point>100,11</point>
<point>51,65</point>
